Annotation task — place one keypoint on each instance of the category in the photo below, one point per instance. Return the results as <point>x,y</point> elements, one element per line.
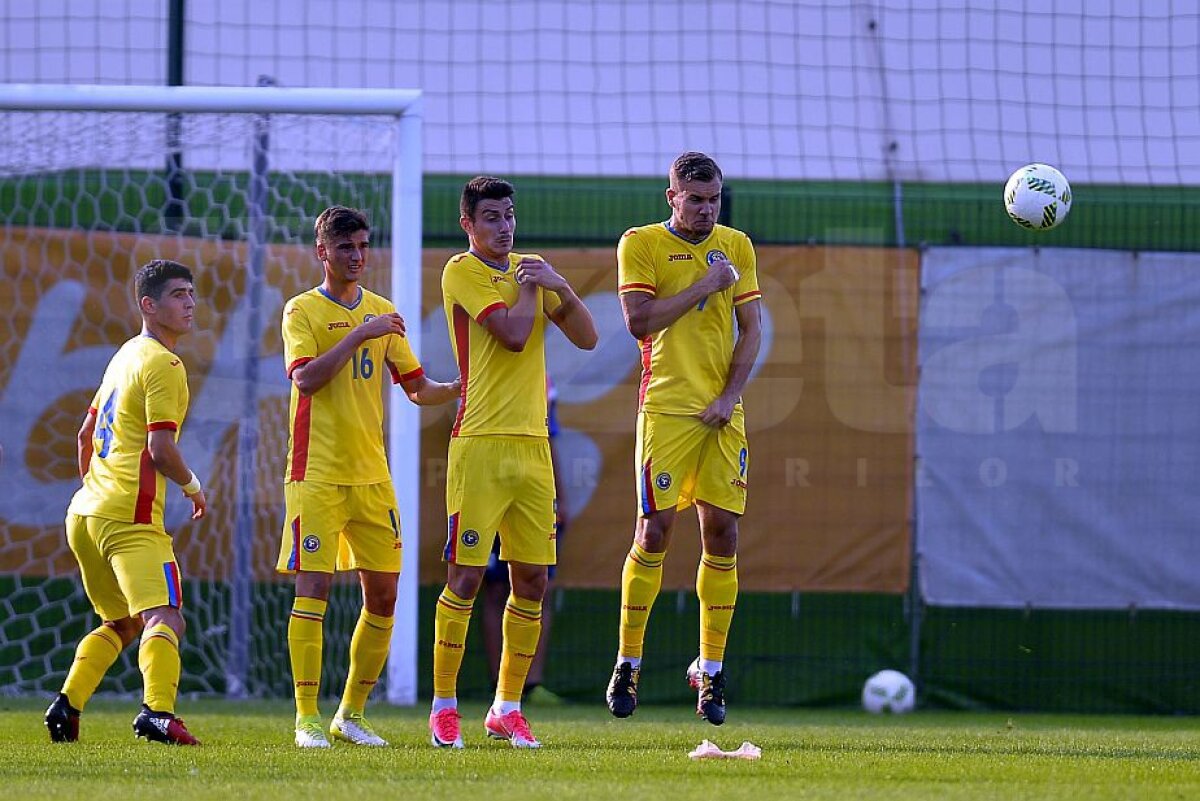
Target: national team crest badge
<point>663,481</point>
<point>470,538</point>
<point>311,543</point>
<point>713,255</point>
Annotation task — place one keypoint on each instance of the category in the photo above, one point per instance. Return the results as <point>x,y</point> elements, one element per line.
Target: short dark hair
<point>152,277</point>
<point>483,187</point>
<point>339,221</point>
<point>695,166</point>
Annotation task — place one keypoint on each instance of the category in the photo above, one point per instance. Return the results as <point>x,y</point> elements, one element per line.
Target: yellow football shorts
<point>500,485</point>
<point>330,527</point>
<point>680,460</point>
<point>127,568</point>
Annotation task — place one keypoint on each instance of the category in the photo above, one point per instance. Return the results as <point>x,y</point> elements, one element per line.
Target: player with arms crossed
<point>499,472</point>
<point>682,283</point>
<point>127,450</point>
<point>339,341</point>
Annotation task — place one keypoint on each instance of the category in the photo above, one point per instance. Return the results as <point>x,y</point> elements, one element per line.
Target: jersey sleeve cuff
<point>399,378</point>
<point>297,363</point>
<point>746,297</point>
<point>636,287</point>
<point>497,306</point>
<point>163,425</point>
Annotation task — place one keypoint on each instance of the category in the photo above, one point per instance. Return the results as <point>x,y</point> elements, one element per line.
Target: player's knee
<point>127,628</point>
<point>719,533</point>
<point>167,616</point>
<point>464,581</point>
<point>653,532</point>
<point>381,602</point>
<point>531,585</point>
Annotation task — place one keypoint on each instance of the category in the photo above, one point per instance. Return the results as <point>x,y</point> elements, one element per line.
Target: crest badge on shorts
<point>311,543</point>
<point>470,538</point>
<point>663,481</point>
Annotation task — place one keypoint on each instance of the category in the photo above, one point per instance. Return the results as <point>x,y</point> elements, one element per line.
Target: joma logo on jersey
<point>737,482</point>
<point>339,324</point>
<point>680,257</point>
<point>499,279</point>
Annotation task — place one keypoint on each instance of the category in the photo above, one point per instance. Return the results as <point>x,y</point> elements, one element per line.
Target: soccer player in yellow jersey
<point>127,450</point>
<point>682,283</point>
<point>499,473</point>
<point>339,342</point>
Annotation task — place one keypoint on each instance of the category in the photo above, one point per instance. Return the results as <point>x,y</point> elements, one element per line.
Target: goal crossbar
<point>209,99</point>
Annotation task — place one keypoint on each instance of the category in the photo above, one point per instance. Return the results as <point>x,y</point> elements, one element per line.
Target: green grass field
<point>247,753</point>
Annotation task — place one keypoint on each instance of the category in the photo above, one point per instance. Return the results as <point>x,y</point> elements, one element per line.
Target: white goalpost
<point>98,178</point>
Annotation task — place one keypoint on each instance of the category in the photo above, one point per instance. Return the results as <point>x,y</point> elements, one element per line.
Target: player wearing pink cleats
<point>444,728</point>
<point>512,727</point>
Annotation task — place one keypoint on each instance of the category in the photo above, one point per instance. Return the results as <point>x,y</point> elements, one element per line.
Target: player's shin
<point>368,653</point>
<point>305,642</point>
<point>94,656</point>
<point>522,627</point>
<point>641,580</point>
<point>158,659</point>
<point>717,589</point>
<point>450,636</point>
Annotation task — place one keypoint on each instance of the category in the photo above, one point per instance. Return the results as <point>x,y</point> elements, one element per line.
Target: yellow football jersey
<point>684,366</point>
<point>336,434</point>
<point>144,389</point>
<point>503,392</point>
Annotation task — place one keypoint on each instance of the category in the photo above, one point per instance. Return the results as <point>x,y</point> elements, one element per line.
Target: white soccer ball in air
<point>1038,197</point>
<point>888,691</point>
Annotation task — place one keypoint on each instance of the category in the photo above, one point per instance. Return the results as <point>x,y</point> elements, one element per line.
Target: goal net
<point>94,182</point>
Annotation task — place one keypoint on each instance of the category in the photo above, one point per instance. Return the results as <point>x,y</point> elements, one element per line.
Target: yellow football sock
<point>641,579</point>
<point>158,658</point>
<point>522,627</point>
<point>368,652</point>
<point>450,638</point>
<point>305,640</point>
<point>717,588</point>
<point>94,656</point>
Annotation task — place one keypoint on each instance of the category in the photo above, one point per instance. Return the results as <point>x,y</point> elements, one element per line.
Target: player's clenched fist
<point>721,274</point>
<point>384,324</point>
<point>541,273</point>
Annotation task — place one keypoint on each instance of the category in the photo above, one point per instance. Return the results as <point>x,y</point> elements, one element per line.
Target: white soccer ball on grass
<point>1037,197</point>
<point>888,691</point>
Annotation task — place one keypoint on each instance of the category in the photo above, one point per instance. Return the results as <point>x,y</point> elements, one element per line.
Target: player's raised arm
<point>313,375</point>
<point>570,314</point>
<point>512,325</point>
<point>647,314</point>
